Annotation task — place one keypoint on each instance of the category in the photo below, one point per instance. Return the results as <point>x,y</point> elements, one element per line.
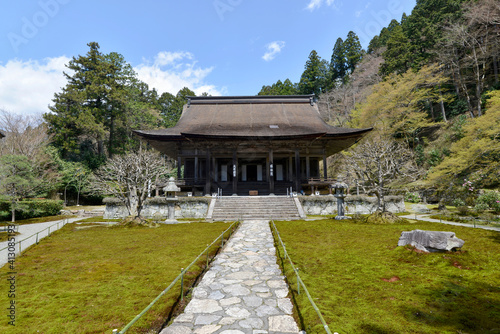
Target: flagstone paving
<point>242,292</point>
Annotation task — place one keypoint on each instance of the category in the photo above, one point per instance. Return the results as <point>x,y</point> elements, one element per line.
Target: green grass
<point>4,236</point>
<point>98,219</point>
<point>344,265</point>
<point>97,279</point>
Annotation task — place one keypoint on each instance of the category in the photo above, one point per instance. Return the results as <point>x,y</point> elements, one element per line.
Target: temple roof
<point>250,117</point>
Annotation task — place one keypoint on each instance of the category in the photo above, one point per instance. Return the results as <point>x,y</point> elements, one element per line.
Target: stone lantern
<point>170,191</point>
<point>340,193</point>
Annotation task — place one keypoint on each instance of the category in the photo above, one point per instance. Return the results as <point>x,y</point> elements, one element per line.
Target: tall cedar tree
<point>353,51</point>
<point>314,77</point>
<point>398,56</point>
<point>424,27</point>
<point>338,64</point>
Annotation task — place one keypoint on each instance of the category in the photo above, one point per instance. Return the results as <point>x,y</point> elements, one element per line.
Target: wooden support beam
<point>271,172</point>
<point>196,166</point>
<point>308,167</point>
<point>325,166</point>
<point>179,168</point>
<point>297,170</point>
<point>235,173</point>
<point>208,182</point>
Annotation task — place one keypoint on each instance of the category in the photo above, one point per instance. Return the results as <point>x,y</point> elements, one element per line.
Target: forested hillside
<point>428,82</point>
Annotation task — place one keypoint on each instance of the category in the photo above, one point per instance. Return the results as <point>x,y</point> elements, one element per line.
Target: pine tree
<point>90,117</point>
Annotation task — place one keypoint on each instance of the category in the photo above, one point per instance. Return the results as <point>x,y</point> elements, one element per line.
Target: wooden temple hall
<point>251,144</point>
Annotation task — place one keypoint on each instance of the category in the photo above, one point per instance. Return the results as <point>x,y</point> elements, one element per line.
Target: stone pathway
<point>432,220</point>
<point>242,292</point>
<point>30,230</point>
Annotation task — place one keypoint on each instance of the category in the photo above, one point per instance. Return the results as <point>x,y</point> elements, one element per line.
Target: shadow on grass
<point>459,305</point>
<point>495,237</point>
<point>376,329</point>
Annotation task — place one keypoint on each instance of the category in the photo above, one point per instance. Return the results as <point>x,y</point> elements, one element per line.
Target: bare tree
<point>24,134</point>
<point>337,104</point>
<point>377,164</point>
<point>127,178</point>
<point>470,48</point>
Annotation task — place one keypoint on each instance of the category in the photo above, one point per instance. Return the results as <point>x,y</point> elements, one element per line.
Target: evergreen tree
<point>353,51</point>
<point>314,77</point>
<point>17,179</point>
<point>172,106</point>
<point>424,27</point>
<point>280,88</point>
<point>398,55</point>
<point>90,117</point>
<point>373,45</point>
<point>338,62</point>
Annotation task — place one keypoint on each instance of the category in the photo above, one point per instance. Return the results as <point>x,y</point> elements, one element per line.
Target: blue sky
<point>223,47</point>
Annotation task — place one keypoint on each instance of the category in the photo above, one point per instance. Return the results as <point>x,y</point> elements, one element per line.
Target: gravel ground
<point>432,220</point>
<point>30,231</point>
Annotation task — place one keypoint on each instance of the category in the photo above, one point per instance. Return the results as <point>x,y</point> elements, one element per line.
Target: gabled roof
<point>250,117</point>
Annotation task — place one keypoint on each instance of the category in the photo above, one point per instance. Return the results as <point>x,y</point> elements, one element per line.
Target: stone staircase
<point>255,207</point>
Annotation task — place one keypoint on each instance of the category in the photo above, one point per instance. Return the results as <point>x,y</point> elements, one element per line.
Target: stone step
<point>272,207</point>
<point>233,209</point>
<point>249,217</point>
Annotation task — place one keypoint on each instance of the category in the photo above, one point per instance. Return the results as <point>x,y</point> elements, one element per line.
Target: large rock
<point>420,208</point>
<point>431,241</point>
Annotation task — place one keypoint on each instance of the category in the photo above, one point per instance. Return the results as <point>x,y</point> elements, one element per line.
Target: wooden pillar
<point>208,181</point>
<point>215,170</point>
<point>325,167</point>
<point>271,172</point>
<point>308,167</point>
<point>235,173</point>
<point>297,170</point>
<point>290,169</point>
<point>179,167</point>
<point>196,166</point>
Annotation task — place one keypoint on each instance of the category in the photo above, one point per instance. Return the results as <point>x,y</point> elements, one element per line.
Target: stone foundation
<point>327,205</point>
<point>185,207</point>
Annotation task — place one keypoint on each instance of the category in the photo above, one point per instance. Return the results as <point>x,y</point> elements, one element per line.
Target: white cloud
<point>172,71</point>
<point>273,49</point>
<point>27,87</point>
<point>314,4</point>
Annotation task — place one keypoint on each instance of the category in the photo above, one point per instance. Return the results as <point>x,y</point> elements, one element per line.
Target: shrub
<point>463,210</point>
<point>481,207</point>
<point>32,208</point>
<point>491,199</point>
<point>412,197</point>
<point>457,202</point>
